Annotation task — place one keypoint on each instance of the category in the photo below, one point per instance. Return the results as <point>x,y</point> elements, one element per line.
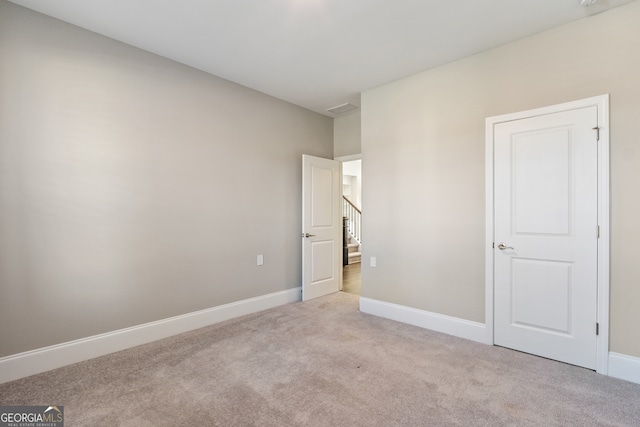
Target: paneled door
<point>321,227</point>
<point>546,235</point>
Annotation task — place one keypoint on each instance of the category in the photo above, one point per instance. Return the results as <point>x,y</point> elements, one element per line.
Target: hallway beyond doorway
<point>351,278</point>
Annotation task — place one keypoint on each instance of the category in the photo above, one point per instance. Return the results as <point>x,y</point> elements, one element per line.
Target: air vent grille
<point>342,109</point>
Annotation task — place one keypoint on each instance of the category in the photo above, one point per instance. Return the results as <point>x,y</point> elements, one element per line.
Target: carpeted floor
<point>323,363</point>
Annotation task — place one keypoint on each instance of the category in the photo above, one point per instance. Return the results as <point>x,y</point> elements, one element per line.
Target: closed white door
<point>321,227</point>
<point>545,234</point>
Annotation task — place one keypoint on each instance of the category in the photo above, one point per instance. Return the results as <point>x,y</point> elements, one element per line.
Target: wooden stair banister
<point>351,211</point>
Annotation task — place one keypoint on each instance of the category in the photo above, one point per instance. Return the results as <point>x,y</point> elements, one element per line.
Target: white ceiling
<point>316,53</point>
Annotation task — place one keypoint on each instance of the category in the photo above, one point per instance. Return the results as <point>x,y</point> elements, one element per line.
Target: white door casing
<point>321,227</point>
<point>547,195</point>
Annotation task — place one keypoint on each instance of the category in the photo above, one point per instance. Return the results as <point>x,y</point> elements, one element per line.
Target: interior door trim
<point>602,104</point>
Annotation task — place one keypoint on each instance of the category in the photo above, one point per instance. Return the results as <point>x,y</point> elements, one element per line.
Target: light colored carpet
<point>323,363</point>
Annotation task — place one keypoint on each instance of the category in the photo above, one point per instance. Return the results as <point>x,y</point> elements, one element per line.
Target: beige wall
<point>133,188</point>
<point>346,135</point>
<point>423,164</point>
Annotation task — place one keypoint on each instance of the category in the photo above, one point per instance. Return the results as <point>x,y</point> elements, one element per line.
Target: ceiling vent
<point>342,109</point>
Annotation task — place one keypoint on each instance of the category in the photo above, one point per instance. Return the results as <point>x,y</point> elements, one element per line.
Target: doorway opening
<point>352,226</point>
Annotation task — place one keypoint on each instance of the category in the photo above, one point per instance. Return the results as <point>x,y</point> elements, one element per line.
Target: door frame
<point>602,315</point>
<point>343,159</point>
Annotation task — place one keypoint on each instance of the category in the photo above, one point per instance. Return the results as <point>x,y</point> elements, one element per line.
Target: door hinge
<point>597,231</point>
<point>597,129</point>
<point>597,328</point>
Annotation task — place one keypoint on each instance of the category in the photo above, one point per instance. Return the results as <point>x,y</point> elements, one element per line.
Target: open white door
<point>546,235</point>
<point>321,227</point>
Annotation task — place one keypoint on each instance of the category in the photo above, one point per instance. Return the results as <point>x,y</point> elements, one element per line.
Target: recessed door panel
<point>322,254</point>
<point>322,193</point>
<point>541,190</point>
<point>541,295</point>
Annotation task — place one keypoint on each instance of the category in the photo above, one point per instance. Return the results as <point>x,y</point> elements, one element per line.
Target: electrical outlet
<point>260,260</point>
<point>372,261</point>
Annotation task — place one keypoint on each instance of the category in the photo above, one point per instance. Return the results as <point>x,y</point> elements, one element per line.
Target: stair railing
<point>350,211</point>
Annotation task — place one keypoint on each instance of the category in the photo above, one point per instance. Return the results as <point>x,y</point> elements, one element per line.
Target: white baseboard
<point>624,367</point>
<point>44,359</point>
<point>620,365</point>
<point>461,328</point>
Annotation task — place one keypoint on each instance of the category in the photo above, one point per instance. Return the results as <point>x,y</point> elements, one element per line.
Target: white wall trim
<point>461,328</point>
<point>44,359</point>
<point>602,103</point>
<point>488,257</point>
<point>619,365</point>
<point>602,364</point>
<point>348,158</point>
<point>624,367</point>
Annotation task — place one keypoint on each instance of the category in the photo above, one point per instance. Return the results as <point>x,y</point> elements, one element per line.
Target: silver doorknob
<point>502,246</point>
<point>307,235</point>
